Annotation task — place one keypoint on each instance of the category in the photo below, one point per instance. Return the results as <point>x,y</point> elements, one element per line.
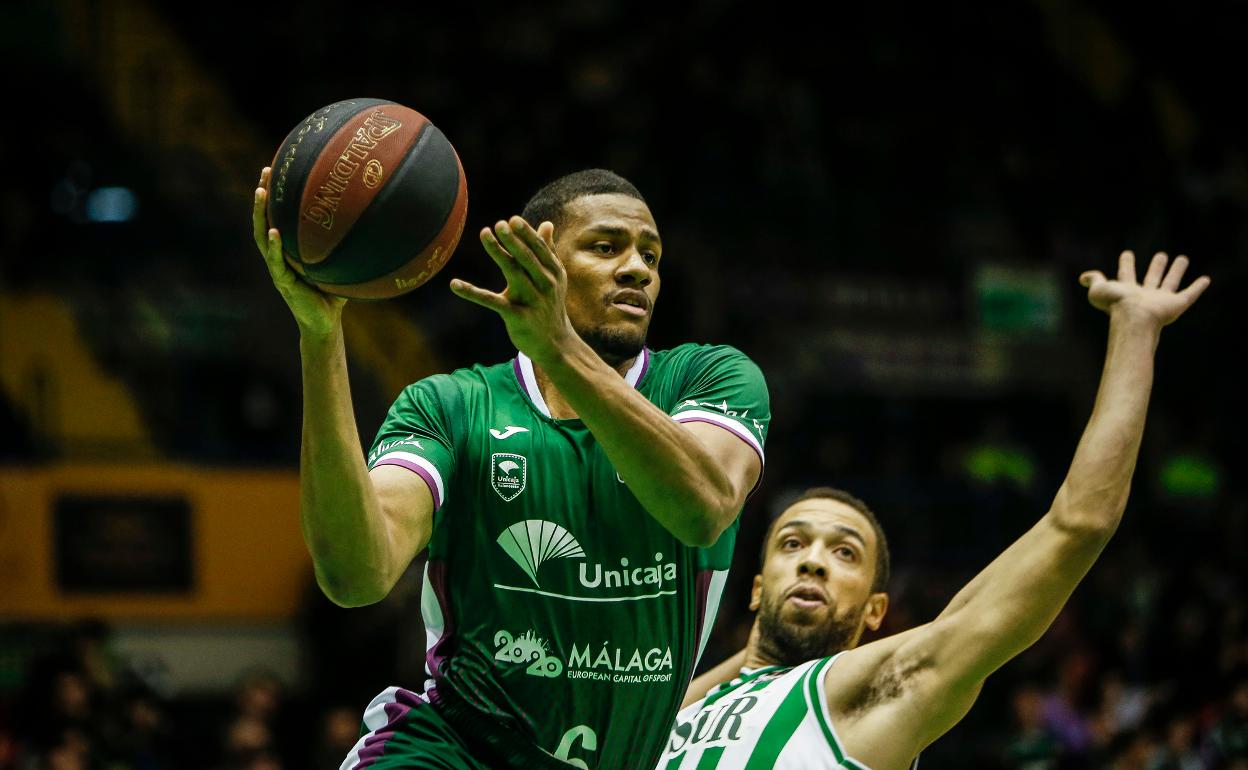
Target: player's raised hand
<point>1156,297</point>
<point>314,310</point>
<point>532,303</point>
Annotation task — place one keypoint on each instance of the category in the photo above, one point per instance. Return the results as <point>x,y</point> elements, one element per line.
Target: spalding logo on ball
<point>369,197</point>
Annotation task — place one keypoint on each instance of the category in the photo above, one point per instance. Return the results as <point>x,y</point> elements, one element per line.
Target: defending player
<point>811,699</point>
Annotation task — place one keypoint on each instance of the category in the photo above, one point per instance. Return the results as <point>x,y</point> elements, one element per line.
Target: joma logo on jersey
<point>508,474</point>
<point>508,432</point>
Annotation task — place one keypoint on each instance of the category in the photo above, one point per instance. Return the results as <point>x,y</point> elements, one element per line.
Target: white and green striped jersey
<point>771,717</point>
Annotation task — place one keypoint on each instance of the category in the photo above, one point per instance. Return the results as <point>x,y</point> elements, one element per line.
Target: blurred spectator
<point>340,729</point>
<point>9,748</point>
<point>1064,711</point>
<point>1228,740</point>
<point>1179,751</point>
<point>71,750</point>
<point>59,714</point>
<point>258,696</point>
<point>144,741</point>
<point>1134,750</point>
<point>1032,747</point>
<point>251,740</point>
<point>1122,709</point>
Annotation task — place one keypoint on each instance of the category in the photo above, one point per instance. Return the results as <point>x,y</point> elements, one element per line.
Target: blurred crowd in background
<point>886,211</point>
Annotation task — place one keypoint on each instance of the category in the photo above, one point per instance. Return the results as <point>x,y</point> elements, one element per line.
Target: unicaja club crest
<point>508,474</point>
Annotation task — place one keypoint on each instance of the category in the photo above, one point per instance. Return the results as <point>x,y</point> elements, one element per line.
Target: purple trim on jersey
<point>419,471</point>
<point>515,367</point>
<point>645,367</point>
<point>703,581</point>
<point>375,745</point>
<point>524,386</point>
<point>435,656</point>
<point>740,433</point>
<point>731,427</point>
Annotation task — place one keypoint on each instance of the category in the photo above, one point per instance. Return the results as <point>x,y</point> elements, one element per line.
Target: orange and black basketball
<point>369,197</point>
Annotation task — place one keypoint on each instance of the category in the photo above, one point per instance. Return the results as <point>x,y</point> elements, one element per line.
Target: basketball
<point>369,198</point>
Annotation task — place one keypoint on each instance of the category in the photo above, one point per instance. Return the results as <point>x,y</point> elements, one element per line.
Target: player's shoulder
<point>464,382</point>
<point>771,679</point>
<point>692,355</point>
<point>804,672</point>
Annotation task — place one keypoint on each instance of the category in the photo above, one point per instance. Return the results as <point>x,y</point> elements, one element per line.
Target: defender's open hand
<point>1157,297</point>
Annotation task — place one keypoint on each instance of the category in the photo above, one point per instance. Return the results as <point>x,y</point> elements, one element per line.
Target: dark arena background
<point>886,208</point>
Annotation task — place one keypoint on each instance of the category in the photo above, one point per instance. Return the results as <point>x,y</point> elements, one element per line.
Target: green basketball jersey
<point>771,717</point>
<point>554,604</point>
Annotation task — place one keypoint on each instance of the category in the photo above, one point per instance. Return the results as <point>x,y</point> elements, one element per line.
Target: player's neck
<point>559,408</point>
<point>754,655</point>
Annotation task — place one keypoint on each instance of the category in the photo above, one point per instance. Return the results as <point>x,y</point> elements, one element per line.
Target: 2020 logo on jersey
<point>509,473</point>
<point>529,649</point>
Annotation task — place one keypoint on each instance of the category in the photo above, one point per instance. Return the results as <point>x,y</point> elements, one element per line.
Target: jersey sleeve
<point>725,388</point>
<point>417,435</point>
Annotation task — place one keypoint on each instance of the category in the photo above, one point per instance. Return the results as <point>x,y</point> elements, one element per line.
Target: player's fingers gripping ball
<point>369,197</point>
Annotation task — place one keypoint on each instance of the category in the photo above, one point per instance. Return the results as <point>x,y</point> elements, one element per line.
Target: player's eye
<point>602,247</point>
<point>790,543</point>
<point>650,257</point>
<point>845,552</point>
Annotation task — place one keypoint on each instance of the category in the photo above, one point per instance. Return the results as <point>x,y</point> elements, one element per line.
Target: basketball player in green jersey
<point>805,696</point>
<point>579,502</point>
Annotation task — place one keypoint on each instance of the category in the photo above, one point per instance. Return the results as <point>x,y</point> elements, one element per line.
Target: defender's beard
<point>614,346</point>
<point>790,644</point>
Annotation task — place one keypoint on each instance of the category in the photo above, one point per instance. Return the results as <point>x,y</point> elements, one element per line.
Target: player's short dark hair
<point>882,561</point>
<point>549,203</point>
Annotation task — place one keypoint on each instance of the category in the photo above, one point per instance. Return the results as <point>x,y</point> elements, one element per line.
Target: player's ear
<point>756,593</point>
<point>877,605</point>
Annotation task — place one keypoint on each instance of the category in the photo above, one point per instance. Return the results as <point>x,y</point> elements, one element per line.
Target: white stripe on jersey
<point>528,379</point>
<point>375,718</point>
<point>639,366</point>
<point>435,624</point>
<point>407,459</point>
<point>714,592</point>
<point>528,382</point>
<point>725,422</point>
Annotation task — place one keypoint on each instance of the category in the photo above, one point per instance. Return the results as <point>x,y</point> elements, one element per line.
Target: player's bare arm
<point>891,698</point>
<point>692,478</point>
<point>362,529</point>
